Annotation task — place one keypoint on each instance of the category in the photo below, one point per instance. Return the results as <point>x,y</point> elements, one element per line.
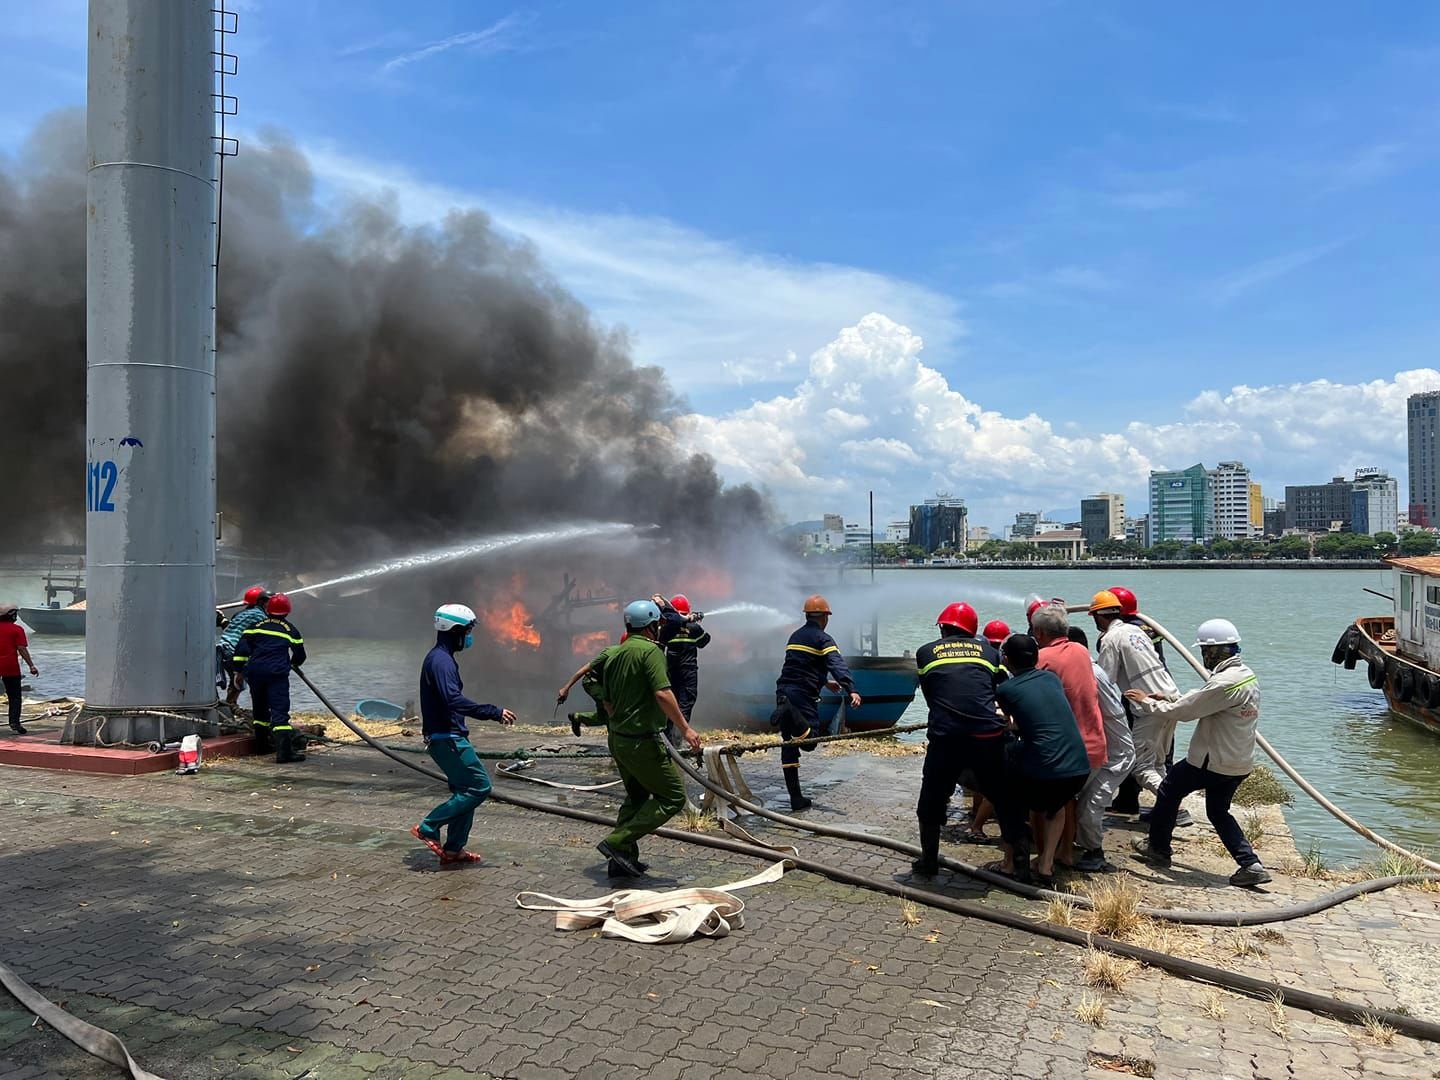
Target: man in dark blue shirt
<point>966,735</point>
<point>266,653</point>
<point>443,709</point>
<point>811,657</point>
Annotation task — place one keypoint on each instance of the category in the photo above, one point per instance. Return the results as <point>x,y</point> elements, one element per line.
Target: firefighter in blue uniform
<point>811,657</point>
<point>680,636</point>
<point>266,653</point>
<point>681,658</point>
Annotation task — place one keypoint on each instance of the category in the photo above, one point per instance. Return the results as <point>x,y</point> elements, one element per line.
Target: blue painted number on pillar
<point>100,479</point>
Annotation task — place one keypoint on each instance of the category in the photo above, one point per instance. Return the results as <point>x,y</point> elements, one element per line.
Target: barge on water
<point>1401,651</point>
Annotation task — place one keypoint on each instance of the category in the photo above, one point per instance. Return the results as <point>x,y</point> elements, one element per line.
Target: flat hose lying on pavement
<point>93,1040</point>
<point>1289,770</point>
<point>1320,1004</point>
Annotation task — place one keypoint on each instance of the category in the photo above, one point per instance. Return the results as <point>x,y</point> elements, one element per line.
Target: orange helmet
<point>996,631</point>
<point>817,605</point>
<point>961,616</point>
<point>278,606</point>
<point>1104,601</point>
<point>1129,605</point>
<point>681,603</point>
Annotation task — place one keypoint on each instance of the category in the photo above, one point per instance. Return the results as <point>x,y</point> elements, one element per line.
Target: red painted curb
<point>44,752</point>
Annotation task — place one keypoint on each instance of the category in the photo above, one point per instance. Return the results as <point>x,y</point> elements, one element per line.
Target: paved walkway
<point>263,922</point>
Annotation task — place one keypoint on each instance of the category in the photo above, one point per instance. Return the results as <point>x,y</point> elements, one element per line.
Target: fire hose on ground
<point>1310,1001</point>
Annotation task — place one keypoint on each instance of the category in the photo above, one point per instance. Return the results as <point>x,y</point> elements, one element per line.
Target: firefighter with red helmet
<point>811,659</point>
<point>996,631</point>
<point>252,614</point>
<point>266,653</point>
<point>682,636</point>
<point>958,675</point>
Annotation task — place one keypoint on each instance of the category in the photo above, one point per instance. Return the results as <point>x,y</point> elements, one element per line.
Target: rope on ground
<point>772,743</point>
<point>655,917</point>
<point>1319,1004</point>
<point>93,1040</point>
<point>1289,770</point>
<point>512,772</point>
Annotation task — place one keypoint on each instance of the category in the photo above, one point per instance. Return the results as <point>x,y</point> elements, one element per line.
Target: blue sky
<point>1100,219</point>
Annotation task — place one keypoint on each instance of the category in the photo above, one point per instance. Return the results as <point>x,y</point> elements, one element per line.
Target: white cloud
<point>1239,282</point>
<point>497,37</point>
<point>712,313</point>
<point>923,435</point>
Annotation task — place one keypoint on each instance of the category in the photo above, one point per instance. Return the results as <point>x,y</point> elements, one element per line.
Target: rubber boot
<point>792,785</point>
<point>264,739</point>
<point>287,748</point>
<point>928,865</point>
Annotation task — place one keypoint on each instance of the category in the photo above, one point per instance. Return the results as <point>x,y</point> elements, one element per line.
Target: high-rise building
<point>1181,506</point>
<point>1230,490</point>
<point>1102,517</point>
<point>938,524</point>
<point>1024,526</point>
<point>1137,530</point>
<point>1420,418</point>
<point>1319,507</point>
<point>1374,502</point>
<point>1257,510</point>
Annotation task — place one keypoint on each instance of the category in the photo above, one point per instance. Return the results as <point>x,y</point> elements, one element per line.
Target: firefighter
<point>443,709</point>
<point>681,655</point>
<point>995,632</point>
<point>811,657</point>
<point>638,688</point>
<point>266,653</point>
<point>252,614</point>
<point>958,676</point>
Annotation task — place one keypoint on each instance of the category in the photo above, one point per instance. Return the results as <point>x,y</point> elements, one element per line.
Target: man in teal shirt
<point>637,688</point>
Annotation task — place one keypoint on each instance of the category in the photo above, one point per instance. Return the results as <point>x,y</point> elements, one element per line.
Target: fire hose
<point>1320,1004</point>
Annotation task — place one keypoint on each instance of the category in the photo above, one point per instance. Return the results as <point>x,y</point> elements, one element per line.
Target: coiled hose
<point>1319,1004</point>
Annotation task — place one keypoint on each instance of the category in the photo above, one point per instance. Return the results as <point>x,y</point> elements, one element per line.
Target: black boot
<point>792,785</point>
<point>928,865</point>
<point>264,739</point>
<point>288,747</point>
<point>574,719</point>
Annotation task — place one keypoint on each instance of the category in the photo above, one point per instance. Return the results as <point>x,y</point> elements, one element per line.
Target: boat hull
<point>886,685</point>
<point>44,620</point>
<point>1412,691</point>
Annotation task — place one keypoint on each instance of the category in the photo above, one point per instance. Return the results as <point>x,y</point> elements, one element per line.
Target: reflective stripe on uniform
<point>959,660</point>
<point>1239,685</point>
<point>813,651</point>
<point>275,633</point>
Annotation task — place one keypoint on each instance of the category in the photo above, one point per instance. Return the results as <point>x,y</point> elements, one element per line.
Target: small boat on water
<point>886,685</point>
<point>55,620</point>
<point>1401,650</point>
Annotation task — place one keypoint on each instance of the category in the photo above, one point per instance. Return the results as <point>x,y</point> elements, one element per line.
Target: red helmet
<point>681,603</point>
<point>255,594</point>
<point>1128,604</point>
<point>1036,604</point>
<point>961,616</point>
<point>278,606</point>
<point>996,631</point>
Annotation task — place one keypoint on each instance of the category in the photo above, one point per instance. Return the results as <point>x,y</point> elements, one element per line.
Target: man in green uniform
<point>591,678</point>
<point>637,688</point>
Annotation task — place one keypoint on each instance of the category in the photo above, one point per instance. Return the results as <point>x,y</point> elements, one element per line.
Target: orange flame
<point>511,625</point>
<point>590,644</point>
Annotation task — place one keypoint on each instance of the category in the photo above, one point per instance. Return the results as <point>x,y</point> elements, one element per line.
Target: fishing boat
<point>1401,650</point>
<point>55,620</point>
<point>746,695</point>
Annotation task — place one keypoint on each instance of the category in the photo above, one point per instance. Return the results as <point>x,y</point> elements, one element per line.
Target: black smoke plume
<point>381,385</point>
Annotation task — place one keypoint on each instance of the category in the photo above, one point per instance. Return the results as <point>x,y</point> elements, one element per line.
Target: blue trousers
<point>1184,778</point>
<point>469,787</point>
<point>270,700</point>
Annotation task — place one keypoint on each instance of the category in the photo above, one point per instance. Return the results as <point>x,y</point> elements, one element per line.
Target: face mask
<point>469,641</point>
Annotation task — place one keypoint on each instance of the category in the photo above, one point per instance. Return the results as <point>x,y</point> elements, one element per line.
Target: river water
<point>1327,721</point>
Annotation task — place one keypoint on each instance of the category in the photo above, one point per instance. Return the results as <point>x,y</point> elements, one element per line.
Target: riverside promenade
<point>264,922</point>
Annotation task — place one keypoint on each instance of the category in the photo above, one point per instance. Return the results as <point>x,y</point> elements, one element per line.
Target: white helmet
<point>450,616</point>
<point>1217,632</point>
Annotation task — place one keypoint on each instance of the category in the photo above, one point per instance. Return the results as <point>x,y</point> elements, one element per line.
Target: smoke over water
<point>382,387</point>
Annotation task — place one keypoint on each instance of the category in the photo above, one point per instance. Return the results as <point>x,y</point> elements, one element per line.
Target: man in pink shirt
<point>1070,662</point>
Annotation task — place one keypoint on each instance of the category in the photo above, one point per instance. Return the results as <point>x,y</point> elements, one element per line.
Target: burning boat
<point>1401,650</point>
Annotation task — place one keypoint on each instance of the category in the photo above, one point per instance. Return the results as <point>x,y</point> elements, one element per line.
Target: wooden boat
<point>1401,651</point>
<point>746,698</point>
<point>55,620</point>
